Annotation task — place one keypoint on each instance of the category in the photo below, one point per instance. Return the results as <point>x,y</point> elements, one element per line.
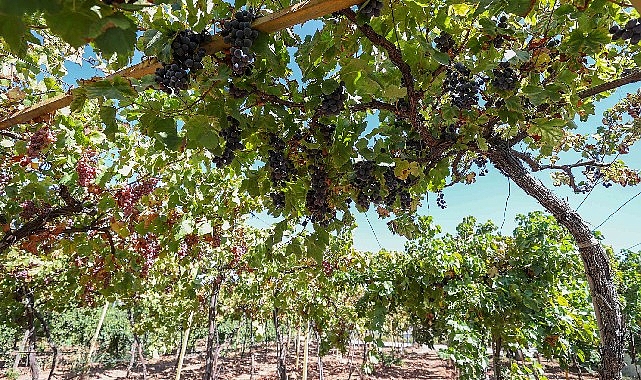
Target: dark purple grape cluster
<point>40,140</point>
<point>317,200</point>
<point>481,163</point>
<point>462,87</point>
<point>334,103</point>
<point>187,55</point>
<point>130,194</point>
<point>505,77</point>
<point>327,132</point>
<point>396,188</point>
<point>631,31</point>
<point>371,8</point>
<point>440,200</point>
<point>278,199</point>
<point>444,42</point>
<point>366,183</point>
<point>499,39</point>
<point>240,35</point>
<point>232,136</point>
<point>281,167</point>
<point>86,170</point>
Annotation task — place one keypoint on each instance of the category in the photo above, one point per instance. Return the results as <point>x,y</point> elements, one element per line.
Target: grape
<point>444,42</point>
<point>462,88</point>
<point>240,35</point>
<point>440,200</point>
<point>505,77</point>
<point>129,195</point>
<point>481,163</point>
<point>278,199</point>
<point>371,8</point>
<point>333,103</point>
<point>39,141</point>
<point>187,56</point>
<point>232,136</point>
<point>366,184</point>
<point>396,188</point>
<point>328,268</point>
<point>148,247</point>
<point>631,31</point>
<point>281,167</point>
<point>86,171</point>
<point>317,199</point>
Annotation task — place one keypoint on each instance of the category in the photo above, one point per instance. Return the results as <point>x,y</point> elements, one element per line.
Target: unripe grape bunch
<point>631,31</point>
<point>240,35</point>
<point>371,8</point>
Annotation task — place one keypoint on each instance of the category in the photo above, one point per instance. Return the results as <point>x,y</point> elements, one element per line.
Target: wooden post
<point>290,16</point>
<point>94,341</point>
<point>183,348</point>
<point>305,352</point>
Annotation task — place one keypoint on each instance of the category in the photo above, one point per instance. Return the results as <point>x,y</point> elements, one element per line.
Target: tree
<point>452,84</point>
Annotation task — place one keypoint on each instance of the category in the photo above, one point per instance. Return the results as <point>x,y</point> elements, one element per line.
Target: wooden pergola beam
<point>288,17</point>
<point>636,4</point>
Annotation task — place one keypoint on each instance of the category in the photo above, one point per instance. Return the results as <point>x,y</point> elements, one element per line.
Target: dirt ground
<point>416,363</point>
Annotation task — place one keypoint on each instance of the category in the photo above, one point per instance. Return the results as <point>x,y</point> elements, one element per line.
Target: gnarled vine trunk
<point>596,262</point>
<point>212,335</point>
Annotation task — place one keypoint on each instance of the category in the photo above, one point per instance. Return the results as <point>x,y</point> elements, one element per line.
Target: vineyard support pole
<point>183,347</point>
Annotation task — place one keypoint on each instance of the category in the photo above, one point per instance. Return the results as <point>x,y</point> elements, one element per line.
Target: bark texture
<point>596,262</point>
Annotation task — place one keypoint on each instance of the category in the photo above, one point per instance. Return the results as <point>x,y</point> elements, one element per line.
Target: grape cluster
<point>396,188</point>
<point>317,200</point>
<point>498,40</point>
<point>505,77</point>
<point>440,200</point>
<point>86,170</point>
<point>130,194</point>
<point>31,209</point>
<point>327,132</point>
<point>328,268</point>
<point>481,163</point>
<point>371,8</point>
<point>187,55</point>
<point>232,136</point>
<point>333,103</point>
<point>631,31</point>
<point>462,87</point>
<point>240,35</point>
<point>237,93</point>
<point>186,245</point>
<point>444,42</point>
<point>278,199</point>
<point>366,184</point>
<point>40,140</point>
<point>281,167</point>
<point>148,247</point>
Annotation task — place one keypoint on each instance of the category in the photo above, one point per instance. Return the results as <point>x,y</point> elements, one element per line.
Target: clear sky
<point>486,199</point>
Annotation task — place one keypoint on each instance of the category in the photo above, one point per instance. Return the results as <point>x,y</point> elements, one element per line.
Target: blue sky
<point>486,199</point>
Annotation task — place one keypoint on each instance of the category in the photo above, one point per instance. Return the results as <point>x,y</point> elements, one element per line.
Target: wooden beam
<point>288,17</point>
<point>636,4</point>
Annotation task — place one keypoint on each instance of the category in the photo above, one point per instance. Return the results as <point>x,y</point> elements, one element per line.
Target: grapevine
<point>240,35</point>
<point>130,194</point>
